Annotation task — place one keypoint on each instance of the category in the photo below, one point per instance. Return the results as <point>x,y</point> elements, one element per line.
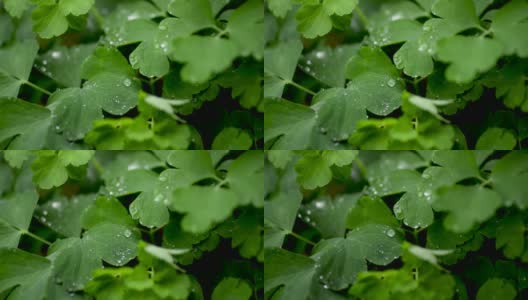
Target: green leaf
<point>290,123</point>
<point>370,210</point>
<point>292,271</point>
<point>116,94</point>
<point>329,215</point>
<point>466,206</point>
<point>313,172</point>
<point>244,27</point>
<point>106,210</point>
<point>15,72</point>
<point>280,62</point>
<point>508,23</point>
<point>510,235</point>
<point>326,64</point>
<point>16,7</point>
<point>314,168</point>
<point>105,60</point>
<point>21,118</point>
<point>214,205</point>
<point>197,165</point>
<point>461,164</point>
<point>203,57</point>
<point>496,139</point>
<point>376,243</point>
<point>496,288</point>
<point>375,81</point>
<point>16,211</point>
<point>245,176</point>
<point>74,261</point>
<point>232,138</point>
<point>50,168</point>
<point>232,288</point>
<point>338,110</point>
<point>280,7</point>
<point>314,18</point>
<point>50,18</point>
<point>197,14</point>
<point>431,284</point>
<point>27,273</point>
<point>460,13</point>
<point>508,175</point>
<point>64,64</point>
<point>63,215</point>
<point>280,211</point>
<point>468,56</point>
<point>73,112</point>
<point>115,244</point>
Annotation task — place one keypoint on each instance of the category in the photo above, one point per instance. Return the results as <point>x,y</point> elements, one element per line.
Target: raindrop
<point>325,287</point>
<point>127,82</point>
<point>128,233</point>
<point>320,204</point>
<point>56,54</point>
<point>158,198</point>
<point>396,16</point>
<point>320,54</point>
<point>323,130</point>
<point>133,16</point>
<point>390,233</point>
<point>309,62</point>
<point>391,83</point>
<point>397,210</point>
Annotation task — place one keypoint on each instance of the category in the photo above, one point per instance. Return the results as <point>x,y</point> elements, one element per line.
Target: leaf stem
<point>36,237</point>
<point>36,87</point>
<point>300,87</point>
<point>98,17</point>
<point>300,237</point>
<point>362,17</point>
<point>98,166</point>
<point>361,167</point>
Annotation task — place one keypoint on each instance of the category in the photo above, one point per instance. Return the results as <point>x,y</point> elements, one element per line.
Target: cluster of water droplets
<point>116,186</point>
<point>314,61</point>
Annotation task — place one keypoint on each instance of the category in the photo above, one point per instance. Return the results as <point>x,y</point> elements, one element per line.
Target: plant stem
<point>36,87</point>
<point>362,17</point>
<point>36,237</point>
<point>300,237</point>
<point>98,17</point>
<point>300,87</point>
<point>361,167</point>
<point>97,166</point>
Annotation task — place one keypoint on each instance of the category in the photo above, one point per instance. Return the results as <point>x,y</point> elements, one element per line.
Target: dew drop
<point>128,233</point>
<point>391,83</point>
<point>320,54</point>
<point>56,54</point>
<point>127,82</point>
<point>390,233</point>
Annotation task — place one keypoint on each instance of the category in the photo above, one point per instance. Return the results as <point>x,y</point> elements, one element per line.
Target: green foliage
<point>126,75</point>
<point>391,75</point>
<point>90,224</point>
<point>396,225</point>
